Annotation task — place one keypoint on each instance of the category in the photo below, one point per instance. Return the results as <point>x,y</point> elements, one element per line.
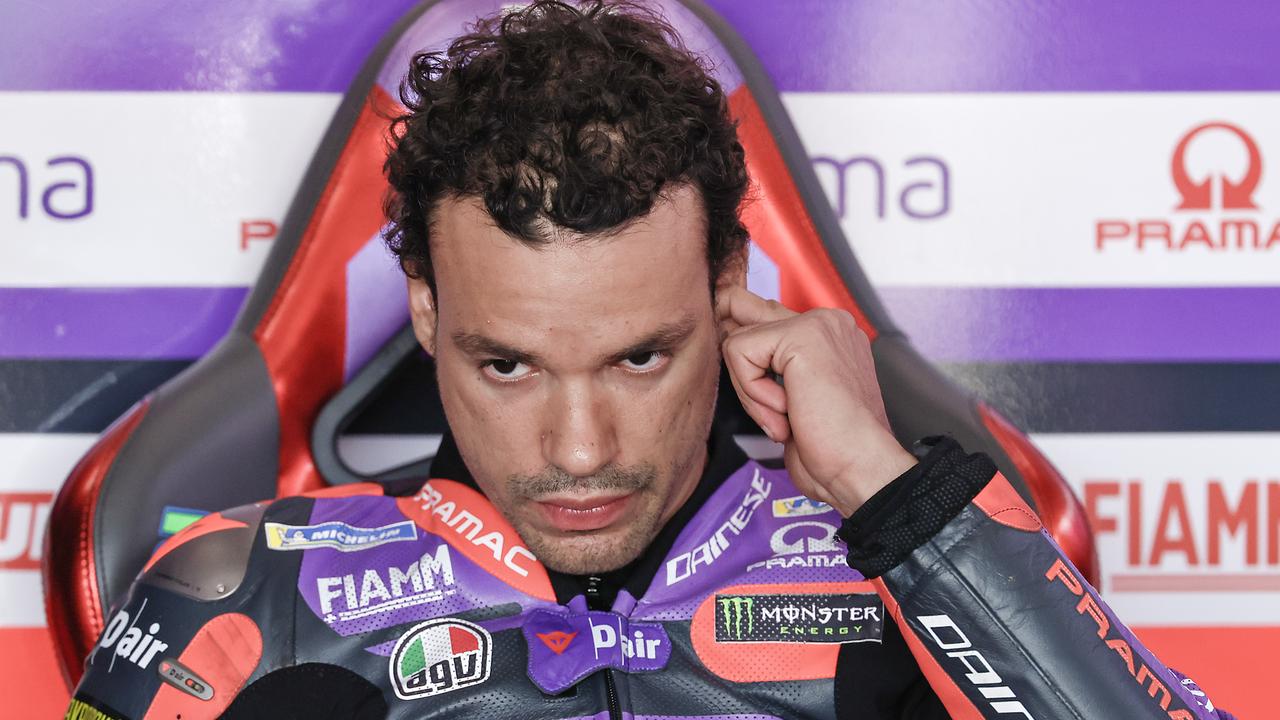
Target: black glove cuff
<point>909,511</point>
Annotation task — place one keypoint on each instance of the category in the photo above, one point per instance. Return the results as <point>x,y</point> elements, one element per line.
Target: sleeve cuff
<point>913,508</point>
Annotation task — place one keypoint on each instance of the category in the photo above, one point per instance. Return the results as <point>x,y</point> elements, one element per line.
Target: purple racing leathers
<point>366,602</point>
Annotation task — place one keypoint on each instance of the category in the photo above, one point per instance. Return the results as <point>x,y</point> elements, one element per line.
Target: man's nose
<point>579,437</point>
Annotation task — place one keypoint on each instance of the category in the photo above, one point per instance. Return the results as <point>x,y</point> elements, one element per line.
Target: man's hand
<point>809,381</point>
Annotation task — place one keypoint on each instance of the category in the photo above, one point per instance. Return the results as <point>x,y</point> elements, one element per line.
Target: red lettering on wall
<point>22,521</point>
<point>1154,230</point>
<point>1173,511</point>
<point>262,230</point>
<point>1093,492</point>
<point>1225,525</point>
<point>1223,517</point>
<point>1109,230</point>
<point>1197,233</point>
<point>1273,523</point>
<point>1135,522</point>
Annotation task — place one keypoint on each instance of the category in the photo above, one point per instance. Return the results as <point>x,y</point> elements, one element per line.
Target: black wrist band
<point>909,511</point>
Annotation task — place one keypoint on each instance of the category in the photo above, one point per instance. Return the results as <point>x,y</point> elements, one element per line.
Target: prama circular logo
<point>439,656</point>
<point>1198,195</point>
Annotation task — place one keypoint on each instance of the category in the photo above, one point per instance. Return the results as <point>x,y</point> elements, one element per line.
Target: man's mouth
<point>578,514</point>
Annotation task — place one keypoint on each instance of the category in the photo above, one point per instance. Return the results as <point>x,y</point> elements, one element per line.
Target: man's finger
<point>746,355</point>
<point>746,308</point>
<point>774,423</point>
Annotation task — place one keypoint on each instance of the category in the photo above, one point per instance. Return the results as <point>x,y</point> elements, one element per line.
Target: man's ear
<point>422,311</point>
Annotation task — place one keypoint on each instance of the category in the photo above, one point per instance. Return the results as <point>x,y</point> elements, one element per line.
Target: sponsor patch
<point>471,525</point>
<point>566,646</point>
<point>131,639</point>
<point>557,641</point>
<point>825,618</point>
<point>373,591</point>
<point>799,506</point>
<point>183,678</point>
<point>336,535</point>
<point>685,565</point>
<point>809,544</point>
<point>440,656</point>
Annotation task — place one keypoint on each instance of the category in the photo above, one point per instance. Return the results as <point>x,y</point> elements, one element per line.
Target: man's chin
<point>588,553</point>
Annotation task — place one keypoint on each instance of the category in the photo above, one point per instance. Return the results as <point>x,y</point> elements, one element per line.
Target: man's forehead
<point>656,262</point>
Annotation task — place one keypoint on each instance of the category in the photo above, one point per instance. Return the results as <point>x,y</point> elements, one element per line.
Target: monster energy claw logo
<point>733,610</point>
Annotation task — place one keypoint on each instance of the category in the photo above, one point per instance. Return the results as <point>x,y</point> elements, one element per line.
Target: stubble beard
<point>598,551</point>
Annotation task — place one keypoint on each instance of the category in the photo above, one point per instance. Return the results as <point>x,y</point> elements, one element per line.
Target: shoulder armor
<point>208,559</point>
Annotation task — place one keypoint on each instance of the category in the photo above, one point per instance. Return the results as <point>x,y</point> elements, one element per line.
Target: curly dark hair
<point>575,116</point>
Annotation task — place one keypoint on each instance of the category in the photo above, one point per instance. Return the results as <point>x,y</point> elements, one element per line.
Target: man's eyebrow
<point>478,345</point>
<point>667,336</point>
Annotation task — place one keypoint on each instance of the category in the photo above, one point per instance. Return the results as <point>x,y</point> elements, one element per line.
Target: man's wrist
<point>915,506</point>
<point>870,472</point>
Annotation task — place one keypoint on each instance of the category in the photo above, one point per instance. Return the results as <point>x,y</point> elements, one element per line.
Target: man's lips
<point>576,514</point>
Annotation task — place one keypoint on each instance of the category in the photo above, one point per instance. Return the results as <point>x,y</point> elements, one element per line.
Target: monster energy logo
<point>733,610</point>
<point>801,618</point>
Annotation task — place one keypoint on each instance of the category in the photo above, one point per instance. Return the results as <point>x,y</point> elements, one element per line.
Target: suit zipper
<point>594,600</point>
<point>611,692</point>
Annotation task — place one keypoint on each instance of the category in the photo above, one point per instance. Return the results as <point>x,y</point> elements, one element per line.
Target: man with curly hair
<point>566,186</point>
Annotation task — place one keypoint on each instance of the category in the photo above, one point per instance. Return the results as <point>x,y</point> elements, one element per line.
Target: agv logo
<point>440,656</point>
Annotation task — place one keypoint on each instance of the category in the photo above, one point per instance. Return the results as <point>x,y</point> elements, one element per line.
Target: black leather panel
<point>210,441</point>
<point>1016,642</point>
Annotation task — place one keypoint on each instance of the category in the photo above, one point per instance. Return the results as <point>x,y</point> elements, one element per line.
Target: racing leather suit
<point>941,597</point>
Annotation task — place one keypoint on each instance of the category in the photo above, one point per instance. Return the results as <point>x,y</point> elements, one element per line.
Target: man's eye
<point>644,361</point>
<point>506,370</point>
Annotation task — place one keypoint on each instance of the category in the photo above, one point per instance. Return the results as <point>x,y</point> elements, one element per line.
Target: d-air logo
<point>799,506</point>
<point>131,639</point>
<point>565,646</point>
<point>336,535</point>
<point>181,677</point>
<point>977,670</point>
<point>440,656</point>
<point>824,618</point>
<point>557,642</point>
<point>426,580</point>
<point>604,637</point>
<point>684,566</point>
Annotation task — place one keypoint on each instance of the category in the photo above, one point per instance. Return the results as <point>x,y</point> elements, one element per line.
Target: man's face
<point>579,377</point>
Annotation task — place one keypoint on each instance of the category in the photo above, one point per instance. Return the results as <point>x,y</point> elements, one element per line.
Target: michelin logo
<point>799,506</point>
<point>337,535</point>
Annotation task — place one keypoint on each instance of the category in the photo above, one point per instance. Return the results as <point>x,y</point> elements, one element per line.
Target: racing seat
<point>325,327</point>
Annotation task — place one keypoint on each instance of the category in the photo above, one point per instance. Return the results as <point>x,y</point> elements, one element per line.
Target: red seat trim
<point>72,601</point>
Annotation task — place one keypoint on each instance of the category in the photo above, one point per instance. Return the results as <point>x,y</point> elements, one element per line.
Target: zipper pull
<point>595,596</point>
